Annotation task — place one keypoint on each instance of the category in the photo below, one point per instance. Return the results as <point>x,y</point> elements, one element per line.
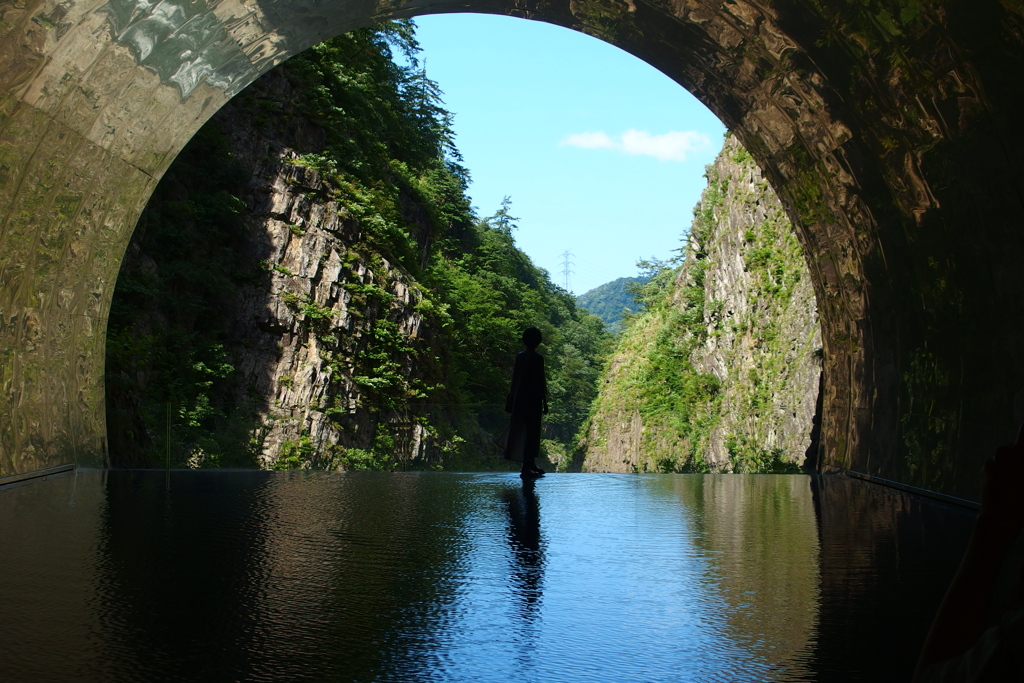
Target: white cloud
<point>596,140</point>
<point>671,146</point>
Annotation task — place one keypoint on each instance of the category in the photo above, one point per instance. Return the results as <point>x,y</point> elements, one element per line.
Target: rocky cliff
<point>721,371</point>
<point>309,286</point>
<point>326,341</point>
<point>331,322</point>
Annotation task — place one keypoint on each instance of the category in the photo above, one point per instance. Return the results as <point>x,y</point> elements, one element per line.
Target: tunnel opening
<point>886,131</point>
<point>244,332</point>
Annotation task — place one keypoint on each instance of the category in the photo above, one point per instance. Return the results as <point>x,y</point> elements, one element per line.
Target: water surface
<point>221,576</point>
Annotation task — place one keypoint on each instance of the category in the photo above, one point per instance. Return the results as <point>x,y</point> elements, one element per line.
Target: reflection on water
<point>886,560</point>
<point>527,568</point>
<point>760,535</point>
<point>445,577</point>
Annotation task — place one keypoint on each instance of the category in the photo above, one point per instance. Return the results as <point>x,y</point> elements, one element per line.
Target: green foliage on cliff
<point>660,408</point>
<point>166,346</point>
<point>387,154</point>
<point>655,378</point>
<point>612,300</point>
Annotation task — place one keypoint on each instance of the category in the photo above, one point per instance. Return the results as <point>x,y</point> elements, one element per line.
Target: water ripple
<point>442,577</point>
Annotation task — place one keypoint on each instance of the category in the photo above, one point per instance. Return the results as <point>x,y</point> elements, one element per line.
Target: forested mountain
<point>720,370</point>
<point>309,287</point>
<point>611,300</point>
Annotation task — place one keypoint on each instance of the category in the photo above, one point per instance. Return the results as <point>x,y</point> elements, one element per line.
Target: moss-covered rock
<point>720,372</point>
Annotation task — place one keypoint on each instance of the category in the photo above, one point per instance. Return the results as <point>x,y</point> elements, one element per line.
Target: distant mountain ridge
<point>608,301</point>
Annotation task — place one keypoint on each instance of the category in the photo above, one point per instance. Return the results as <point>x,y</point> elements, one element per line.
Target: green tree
<point>388,156</point>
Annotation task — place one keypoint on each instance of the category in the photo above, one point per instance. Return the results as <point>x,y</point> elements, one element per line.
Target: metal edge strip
<point>962,502</point>
<point>35,474</point>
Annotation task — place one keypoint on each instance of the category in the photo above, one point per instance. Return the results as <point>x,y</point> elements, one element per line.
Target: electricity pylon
<point>567,269</point>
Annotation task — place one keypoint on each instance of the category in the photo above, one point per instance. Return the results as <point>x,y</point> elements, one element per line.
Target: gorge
<point>311,290</point>
<point>887,129</point>
<point>308,287</point>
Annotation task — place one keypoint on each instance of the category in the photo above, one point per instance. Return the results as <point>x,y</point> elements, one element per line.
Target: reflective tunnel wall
<point>888,129</point>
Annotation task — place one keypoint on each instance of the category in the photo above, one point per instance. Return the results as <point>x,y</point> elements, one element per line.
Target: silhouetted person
<point>978,632</point>
<point>527,401</point>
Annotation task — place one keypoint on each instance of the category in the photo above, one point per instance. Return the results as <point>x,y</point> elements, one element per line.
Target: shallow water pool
<point>225,576</point>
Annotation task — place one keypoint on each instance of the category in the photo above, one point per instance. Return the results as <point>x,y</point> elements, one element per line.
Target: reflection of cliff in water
<point>159,580</point>
<point>758,533</point>
<point>301,560</point>
<point>836,603</point>
<point>379,576</point>
<point>48,532</point>
<point>886,560</point>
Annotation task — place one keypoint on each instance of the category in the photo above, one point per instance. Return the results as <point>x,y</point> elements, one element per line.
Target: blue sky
<point>601,154</point>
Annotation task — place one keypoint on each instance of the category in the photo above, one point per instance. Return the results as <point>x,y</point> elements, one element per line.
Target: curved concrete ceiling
<point>888,128</point>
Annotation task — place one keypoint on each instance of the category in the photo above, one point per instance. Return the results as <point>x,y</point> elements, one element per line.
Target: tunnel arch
<point>886,128</point>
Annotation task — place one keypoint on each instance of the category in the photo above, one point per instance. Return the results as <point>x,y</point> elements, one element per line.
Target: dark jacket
<point>529,392</point>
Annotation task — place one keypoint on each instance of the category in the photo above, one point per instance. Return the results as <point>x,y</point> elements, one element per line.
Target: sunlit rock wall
<point>309,297</point>
<point>756,334</point>
<point>306,241</point>
<point>763,340</point>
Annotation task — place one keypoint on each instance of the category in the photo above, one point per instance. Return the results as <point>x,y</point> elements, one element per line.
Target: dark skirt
<point>523,437</point>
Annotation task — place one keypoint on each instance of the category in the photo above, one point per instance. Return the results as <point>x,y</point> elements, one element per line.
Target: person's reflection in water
<point>527,575</point>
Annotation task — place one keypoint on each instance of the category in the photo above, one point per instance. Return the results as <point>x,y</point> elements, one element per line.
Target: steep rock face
<point>324,301</point>
<point>328,342</point>
<point>764,339</point>
<point>736,332</point>
<point>309,287</point>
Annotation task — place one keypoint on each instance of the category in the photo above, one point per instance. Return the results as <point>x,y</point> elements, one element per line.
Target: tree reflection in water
<point>447,577</point>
